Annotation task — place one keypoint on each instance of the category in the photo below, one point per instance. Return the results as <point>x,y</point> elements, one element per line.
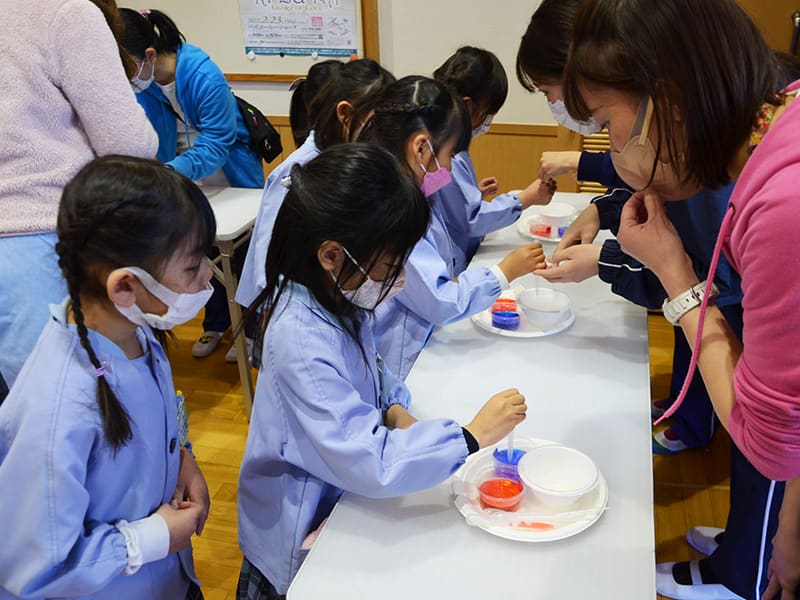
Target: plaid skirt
<point>254,586</point>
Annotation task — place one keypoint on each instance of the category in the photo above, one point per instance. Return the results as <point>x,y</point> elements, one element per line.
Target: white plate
<point>524,229</point>
<point>566,522</point>
<point>526,329</point>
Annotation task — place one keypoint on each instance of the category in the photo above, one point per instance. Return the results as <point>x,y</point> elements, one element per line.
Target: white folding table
<point>587,387</point>
<point>235,210</point>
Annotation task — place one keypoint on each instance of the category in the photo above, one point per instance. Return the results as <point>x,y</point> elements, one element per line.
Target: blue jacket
<point>467,217</point>
<point>697,221</point>
<point>317,430</point>
<point>254,275</point>
<point>432,295</point>
<point>209,106</point>
<point>64,488</point>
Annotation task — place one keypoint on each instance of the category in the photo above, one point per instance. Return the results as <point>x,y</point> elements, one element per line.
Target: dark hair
<point>149,29</point>
<point>416,103</point>
<point>542,53</point>
<point>356,195</point>
<point>702,59</point>
<point>478,74</point>
<point>111,13</point>
<point>118,212</point>
<point>358,82</point>
<point>302,95</point>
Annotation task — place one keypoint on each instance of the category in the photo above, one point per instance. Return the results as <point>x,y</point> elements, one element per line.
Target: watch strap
<point>681,304</point>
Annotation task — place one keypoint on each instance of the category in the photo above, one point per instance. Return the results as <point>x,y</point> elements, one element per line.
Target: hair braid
<point>116,420</point>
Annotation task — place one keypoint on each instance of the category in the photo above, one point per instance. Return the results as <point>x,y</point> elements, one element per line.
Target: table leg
<point>226,250</point>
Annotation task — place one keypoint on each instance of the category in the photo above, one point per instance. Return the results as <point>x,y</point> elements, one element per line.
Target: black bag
<point>264,138</point>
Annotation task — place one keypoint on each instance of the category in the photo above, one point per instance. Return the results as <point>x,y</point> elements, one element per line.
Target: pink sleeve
<point>765,420</point>
<point>89,72</point>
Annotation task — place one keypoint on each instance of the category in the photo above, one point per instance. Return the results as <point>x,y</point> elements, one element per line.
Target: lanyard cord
<point>700,322</point>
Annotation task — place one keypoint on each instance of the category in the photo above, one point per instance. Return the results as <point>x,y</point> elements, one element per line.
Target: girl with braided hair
<point>115,498</point>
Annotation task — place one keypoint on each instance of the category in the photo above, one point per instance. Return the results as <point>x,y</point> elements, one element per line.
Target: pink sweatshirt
<point>65,100</point>
<point>763,244</point>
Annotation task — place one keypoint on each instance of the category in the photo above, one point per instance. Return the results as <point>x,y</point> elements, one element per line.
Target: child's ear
<point>120,287</point>
<point>344,112</point>
<point>329,255</point>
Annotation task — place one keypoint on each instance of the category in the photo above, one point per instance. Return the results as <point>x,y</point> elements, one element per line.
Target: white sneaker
<point>697,590</point>
<point>207,343</point>
<point>230,355</point>
<point>703,539</point>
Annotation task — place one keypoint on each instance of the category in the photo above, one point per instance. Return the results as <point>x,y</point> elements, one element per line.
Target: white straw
<point>510,450</point>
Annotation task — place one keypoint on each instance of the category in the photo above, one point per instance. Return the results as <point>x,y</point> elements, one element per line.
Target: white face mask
<point>483,127</point>
<point>564,119</point>
<point>368,294</point>
<point>181,308</point>
<point>139,85</point>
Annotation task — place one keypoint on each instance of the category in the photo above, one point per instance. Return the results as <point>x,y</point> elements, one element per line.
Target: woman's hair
<point>302,95</point>
<point>357,195</point>
<point>149,29</point>
<point>358,82</point>
<point>118,212</point>
<point>542,52</point>
<point>478,74</point>
<point>703,61</point>
<point>413,104</point>
<point>111,13</point>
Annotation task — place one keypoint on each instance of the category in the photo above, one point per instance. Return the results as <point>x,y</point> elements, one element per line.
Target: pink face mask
<point>435,181</point>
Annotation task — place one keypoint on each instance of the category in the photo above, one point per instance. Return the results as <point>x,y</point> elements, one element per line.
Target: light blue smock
<point>432,296</point>
<point>254,276</point>
<point>467,216</point>
<point>63,487</point>
<point>317,430</point>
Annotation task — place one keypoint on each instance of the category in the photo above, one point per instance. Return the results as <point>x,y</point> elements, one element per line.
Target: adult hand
<point>488,187</point>
<point>649,236</point>
<point>784,567</point>
<point>553,164</point>
<point>572,264</point>
<point>397,417</point>
<point>582,230</point>
<point>192,486</point>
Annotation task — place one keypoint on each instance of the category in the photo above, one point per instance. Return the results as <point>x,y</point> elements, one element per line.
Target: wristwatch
<point>684,302</point>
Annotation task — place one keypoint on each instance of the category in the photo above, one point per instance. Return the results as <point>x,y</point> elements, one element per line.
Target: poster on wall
<point>299,27</point>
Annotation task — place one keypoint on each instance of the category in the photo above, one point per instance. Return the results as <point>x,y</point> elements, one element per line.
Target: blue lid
<point>506,320</point>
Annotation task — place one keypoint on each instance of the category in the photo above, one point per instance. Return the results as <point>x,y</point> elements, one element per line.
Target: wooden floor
<point>690,488</point>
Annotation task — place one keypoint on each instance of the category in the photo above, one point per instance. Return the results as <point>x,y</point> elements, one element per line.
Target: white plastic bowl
<point>543,307</point>
<point>556,214</point>
<point>558,475</point>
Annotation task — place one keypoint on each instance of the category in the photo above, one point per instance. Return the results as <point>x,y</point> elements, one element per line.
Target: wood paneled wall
<point>509,152</point>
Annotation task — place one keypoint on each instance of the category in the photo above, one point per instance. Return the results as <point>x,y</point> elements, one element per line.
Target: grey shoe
<point>207,343</point>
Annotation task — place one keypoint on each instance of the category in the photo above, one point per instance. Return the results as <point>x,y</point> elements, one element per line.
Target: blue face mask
<point>435,181</point>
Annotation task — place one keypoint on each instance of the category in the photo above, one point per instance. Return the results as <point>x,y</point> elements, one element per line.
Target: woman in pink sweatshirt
<point>687,94</point>
<point>66,99</point>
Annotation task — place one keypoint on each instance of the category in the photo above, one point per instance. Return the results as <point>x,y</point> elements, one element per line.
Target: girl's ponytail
<point>149,28</point>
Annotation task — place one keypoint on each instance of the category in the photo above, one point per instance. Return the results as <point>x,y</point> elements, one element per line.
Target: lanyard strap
<point>731,211</point>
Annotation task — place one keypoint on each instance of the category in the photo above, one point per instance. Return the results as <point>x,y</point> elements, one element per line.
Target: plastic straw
<point>510,450</point>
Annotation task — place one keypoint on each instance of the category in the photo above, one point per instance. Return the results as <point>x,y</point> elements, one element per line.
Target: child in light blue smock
<point>423,124</point>
<point>100,496</point>
<point>479,79</point>
<point>328,417</point>
<point>333,107</point>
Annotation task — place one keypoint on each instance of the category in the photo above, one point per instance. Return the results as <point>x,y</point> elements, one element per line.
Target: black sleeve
<point>628,277</point>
